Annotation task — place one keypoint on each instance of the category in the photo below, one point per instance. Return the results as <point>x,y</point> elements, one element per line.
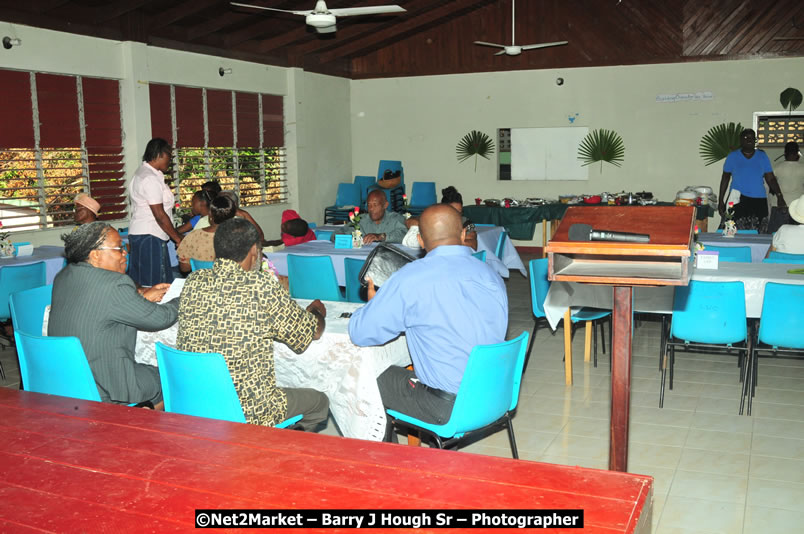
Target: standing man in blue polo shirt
<point>746,168</point>
<point>445,303</point>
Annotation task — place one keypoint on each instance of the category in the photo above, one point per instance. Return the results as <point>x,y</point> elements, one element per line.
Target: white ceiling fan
<point>515,50</point>
<point>323,19</point>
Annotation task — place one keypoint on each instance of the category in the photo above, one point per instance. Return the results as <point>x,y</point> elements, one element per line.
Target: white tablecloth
<point>347,374</point>
<point>487,237</point>
<point>52,256</point>
<point>754,276</point>
<point>758,243</point>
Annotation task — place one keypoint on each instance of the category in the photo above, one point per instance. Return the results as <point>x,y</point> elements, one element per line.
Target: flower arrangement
<point>730,227</point>
<point>406,213</point>
<point>6,247</point>
<point>354,218</point>
<point>179,214</point>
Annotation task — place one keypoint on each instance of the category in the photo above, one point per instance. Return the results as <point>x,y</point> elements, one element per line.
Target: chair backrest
<point>198,264</point>
<point>15,278</point>
<point>423,194</point>
<point>56,366</point>
<point>490,384</point>
<point>390,165</point>
<point>782,257</point>
<point>348,195</point>
<point>311,225</point>
<point>324,235</point>
<point>312,277</point>
<point>197,384</point>
<point>28,309</point>
<point>501,244</point>
<point>782,322</point>
<point>539,285</point>
<point>709,312</point>
<point>481,255</point>
<point>364,182</point>
<point>732,254</point>
<point>352,268</point>
<point>720,231</point>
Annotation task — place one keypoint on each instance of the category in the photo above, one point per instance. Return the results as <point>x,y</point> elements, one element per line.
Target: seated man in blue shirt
<point>445,304</point>
<point>381,224</point>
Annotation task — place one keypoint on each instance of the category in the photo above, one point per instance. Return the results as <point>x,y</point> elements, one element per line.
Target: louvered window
<point>233,137</point>
<point>61,136</point>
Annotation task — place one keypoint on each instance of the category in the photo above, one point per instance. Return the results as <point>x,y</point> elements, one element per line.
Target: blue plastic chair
<point>539,287</point>
<point>481,255</point>
<point>710,316</point>
<point>324,235</point>
<point>720,231</point>
<point>352,268</point>
<point>501,244</point>
<point>489,392</point>
<point>348,195</point>
<point>390,165</point>
<point>28,309</point>
<point>422,195</point>
<point>312,225</point>
<point>15,278</point>
<point>55,366</point>
<point>782,257</point>
<point>199,384</point>
<point>198,264</point>
<point>781,327</point>
<point>364,183</point>
<point>732,254</point>
<point>312,277</point>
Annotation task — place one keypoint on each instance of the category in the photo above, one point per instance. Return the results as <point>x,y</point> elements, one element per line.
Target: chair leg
<point>672,364</point>
<point>511,437</point>
<point>747,383</point>
<point>602,335</point>
<point>662,340</point>
<point>530,345</point>
<point>663,364</point>
<point>2,371</point>
<point>594,344</point>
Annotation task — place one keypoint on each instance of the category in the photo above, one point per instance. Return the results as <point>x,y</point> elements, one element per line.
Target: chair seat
<point>589,314</point>
<point>442,430</point>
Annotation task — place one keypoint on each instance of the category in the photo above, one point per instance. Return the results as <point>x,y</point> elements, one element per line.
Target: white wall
<point>419,120</point>
<point>315,105</point>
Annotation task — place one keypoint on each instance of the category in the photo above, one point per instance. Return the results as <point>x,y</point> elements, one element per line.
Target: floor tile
<point>761,520</point>
<point>778,447</point>
<point>713,440</point>
<point>709,486</point>
<point>703,515</point>
<point>724,463</point>
<point>775,494</point>
<point>772,468</point>
<point>722,422</point>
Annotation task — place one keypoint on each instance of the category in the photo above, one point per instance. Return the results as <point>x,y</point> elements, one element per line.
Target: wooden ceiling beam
<point>43,6</point>
<point>117,9</point>
<point>185,9</point>
<point>408,27</point>
<point>213,25</point>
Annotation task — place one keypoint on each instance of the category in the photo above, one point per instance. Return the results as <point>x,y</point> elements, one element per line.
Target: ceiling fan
<point>515,50</point>
<point>323,19</point>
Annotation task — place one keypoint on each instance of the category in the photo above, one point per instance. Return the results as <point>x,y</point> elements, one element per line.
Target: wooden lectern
<point>665,260</point>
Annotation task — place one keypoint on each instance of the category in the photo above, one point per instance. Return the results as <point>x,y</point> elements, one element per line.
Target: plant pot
<point>390,183</point>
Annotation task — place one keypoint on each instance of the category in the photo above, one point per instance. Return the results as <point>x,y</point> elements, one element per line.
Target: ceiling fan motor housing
<point>320,20</point>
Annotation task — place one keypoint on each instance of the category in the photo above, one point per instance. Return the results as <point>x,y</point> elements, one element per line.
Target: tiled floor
<point>715,471</point>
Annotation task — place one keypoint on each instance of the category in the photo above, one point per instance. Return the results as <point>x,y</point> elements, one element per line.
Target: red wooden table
<point>78,466</point>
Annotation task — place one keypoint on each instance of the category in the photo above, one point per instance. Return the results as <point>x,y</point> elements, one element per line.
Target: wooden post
<point>620,378</point>
<point>568,348</point>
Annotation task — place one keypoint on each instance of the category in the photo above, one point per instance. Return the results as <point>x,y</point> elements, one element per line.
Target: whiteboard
<point>547,153</point>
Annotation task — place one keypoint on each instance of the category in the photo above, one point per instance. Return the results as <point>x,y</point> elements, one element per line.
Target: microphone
<point>584,232</point>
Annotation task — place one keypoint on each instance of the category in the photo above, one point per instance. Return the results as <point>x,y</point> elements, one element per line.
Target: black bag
<point>778,217</point>
<point>383,261</point>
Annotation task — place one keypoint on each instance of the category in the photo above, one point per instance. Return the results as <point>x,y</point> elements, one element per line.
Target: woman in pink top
<point>151,217</point>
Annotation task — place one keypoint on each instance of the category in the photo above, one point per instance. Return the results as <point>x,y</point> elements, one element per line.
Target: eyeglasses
<point>121,249</point>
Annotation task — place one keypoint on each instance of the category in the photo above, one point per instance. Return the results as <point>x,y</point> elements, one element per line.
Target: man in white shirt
<point>789,239</point>
<point>790,172</point>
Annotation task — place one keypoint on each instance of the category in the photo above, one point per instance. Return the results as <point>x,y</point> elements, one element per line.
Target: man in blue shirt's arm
<point>445,303</point>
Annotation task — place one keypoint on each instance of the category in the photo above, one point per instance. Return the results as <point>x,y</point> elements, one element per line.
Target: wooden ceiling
<point>435,36</point>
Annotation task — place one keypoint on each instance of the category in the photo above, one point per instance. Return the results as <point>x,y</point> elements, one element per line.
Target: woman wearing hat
<point>789,238</point>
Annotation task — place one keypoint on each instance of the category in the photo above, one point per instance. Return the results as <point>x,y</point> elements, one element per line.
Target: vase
<point>6,249</point>
<point>357,239</point>
<point>730,229</point>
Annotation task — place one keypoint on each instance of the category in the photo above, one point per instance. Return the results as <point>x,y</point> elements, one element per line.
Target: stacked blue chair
<point>352,267</point>
<point>782,257</point>
<point>312,277</point>
<point>14,278</point>
<point>198,264</point>
<point>28,309</point>
<point>539,287</point>
<point>481,255</point>
<point>422,195</point>
<point>499,250</point>
<point>347,198</point>
<point>488,395</point>
<point>731,254</point>
<point>781,328</point>
<point>55,366</point>
<point>364,183</point>
<point>394,195</point>
<point>707,316</point>
<point>199,384</point>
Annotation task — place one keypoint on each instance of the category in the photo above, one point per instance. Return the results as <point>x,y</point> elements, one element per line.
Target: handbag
<point>383,261</point>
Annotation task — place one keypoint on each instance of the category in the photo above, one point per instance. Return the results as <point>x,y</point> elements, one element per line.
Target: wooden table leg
<point>620,379</point>
<point>544,238</point>
<point>568,348</point>
<point>414,440</point>
<point>589,328</point>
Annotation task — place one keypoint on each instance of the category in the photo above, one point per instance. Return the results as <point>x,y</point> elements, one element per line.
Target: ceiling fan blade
<point>326,29</point>
<point>544,45</point>
<point>500,53</point>
<point>270,8</point>
<point>483,43</point>
<point>370,10</point>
